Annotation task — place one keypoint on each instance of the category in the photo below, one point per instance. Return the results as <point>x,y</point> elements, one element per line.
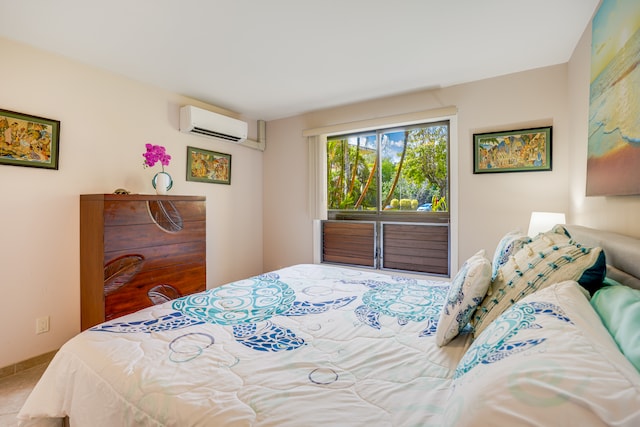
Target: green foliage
<point>347,202</point>
<point>348,174</point>
<point>426,157</point>
<point>405,204</point>
<point>417,174</point>
<point>438,204</point>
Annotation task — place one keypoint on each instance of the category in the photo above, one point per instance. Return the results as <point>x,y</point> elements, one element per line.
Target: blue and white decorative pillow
<point>510,243</point>
<point>467,290</point>
<point>549,258</point>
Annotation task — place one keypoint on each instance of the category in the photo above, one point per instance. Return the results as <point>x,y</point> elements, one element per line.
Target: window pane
<point>352,182</point>
<point>414,169</point>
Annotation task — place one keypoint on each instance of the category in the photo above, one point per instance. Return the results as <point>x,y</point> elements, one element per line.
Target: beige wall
<point>488,205</point>
<point>107,119</point>
<point>615,213</point>
<point>105,122</point>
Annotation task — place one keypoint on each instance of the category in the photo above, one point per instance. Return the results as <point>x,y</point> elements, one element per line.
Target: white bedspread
<point>308,345</point>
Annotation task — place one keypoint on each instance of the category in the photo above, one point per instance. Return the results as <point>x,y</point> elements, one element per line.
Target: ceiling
<point>268,59</point>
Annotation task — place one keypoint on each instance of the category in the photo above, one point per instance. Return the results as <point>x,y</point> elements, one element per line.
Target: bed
<point>533,335</point>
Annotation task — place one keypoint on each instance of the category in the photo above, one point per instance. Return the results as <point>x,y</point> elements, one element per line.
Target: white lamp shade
<point>544,221</point>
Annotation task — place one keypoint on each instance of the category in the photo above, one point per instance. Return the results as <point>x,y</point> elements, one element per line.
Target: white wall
<point>107,119</point>
<point>489,205</point>
<point>105,122</point>
<point>615,213</point>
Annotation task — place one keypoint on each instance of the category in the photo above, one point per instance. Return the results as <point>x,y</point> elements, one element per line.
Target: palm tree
<point>366,186</point>
<point>398,171</point>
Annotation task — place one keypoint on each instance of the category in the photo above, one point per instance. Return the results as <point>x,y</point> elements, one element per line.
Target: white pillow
<point>549,258</point>
<point>510,243</point>
<point>466,292</point>
<point>547,360</point>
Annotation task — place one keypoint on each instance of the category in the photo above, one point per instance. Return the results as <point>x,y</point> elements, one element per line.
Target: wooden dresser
<point>137,251</point>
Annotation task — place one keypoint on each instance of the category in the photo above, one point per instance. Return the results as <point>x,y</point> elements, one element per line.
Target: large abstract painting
<point>613,164</point>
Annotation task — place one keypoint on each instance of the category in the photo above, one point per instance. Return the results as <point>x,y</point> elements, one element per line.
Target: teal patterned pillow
<point>549,258</point>
<point>511,243</point>
<point>467,290</point>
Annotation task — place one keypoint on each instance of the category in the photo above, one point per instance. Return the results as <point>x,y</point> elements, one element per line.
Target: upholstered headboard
<point>622,252</point>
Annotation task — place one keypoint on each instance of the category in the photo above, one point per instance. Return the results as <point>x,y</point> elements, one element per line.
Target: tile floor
<point>14,390</point>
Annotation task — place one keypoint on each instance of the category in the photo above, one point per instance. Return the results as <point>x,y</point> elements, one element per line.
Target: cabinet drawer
<point>145,289</point>
<point>162,255</point>
<point>121,267</point>
<point>123,237</point>
<point>117,212</point>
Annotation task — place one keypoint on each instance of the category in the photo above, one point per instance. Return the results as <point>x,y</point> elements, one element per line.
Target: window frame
<point>411,216</point>
<point>316,144</point>
<point>417,262</point>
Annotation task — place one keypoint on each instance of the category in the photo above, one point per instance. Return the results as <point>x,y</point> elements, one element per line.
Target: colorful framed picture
<point>28,140</point>
<point>523,150</point>
<point>613,152</point>
<point>208,166</point>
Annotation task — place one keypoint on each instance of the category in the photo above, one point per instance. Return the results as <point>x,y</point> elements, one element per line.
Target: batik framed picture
<point>522,150</point>
<point>27,140</point>
<point>208,166</point>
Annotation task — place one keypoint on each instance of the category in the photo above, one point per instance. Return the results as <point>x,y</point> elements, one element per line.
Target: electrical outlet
<point>42,325</point>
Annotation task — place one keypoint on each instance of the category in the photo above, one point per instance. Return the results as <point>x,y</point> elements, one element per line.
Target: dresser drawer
<point>154,286</point>
<point>161,255</point>
<point>122,237</point>
<point>132,212</point>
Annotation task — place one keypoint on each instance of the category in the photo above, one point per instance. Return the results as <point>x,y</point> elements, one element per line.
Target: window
<point>387,198</point>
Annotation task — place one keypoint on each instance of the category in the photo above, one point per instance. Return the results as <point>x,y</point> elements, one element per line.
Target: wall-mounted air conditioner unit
<point>207,123</point>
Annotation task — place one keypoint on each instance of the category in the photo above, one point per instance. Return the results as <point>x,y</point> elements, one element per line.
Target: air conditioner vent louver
<point>207,123</point>
<point>207,132</point>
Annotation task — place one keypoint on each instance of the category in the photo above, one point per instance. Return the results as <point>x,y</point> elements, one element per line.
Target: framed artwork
<point>208,166</point>
<point>522,150</point>
<point>613,148</point>
<point>28,140</point>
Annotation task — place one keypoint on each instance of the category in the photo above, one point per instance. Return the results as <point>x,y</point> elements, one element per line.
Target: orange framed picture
<point>27,140</point>
<point>208,166</point>
<point>522,150</point>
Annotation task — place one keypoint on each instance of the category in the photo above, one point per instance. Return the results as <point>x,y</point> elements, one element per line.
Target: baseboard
<point>27,364</point>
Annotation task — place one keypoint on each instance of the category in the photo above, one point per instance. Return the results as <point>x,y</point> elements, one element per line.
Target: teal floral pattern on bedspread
<point>251,307</point>
<point>247,301</point>
<point>241,305</point>
<point>405,299</point>
<point>499,340</point>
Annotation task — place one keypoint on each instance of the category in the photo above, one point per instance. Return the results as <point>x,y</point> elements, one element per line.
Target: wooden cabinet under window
<point>137,251</point>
